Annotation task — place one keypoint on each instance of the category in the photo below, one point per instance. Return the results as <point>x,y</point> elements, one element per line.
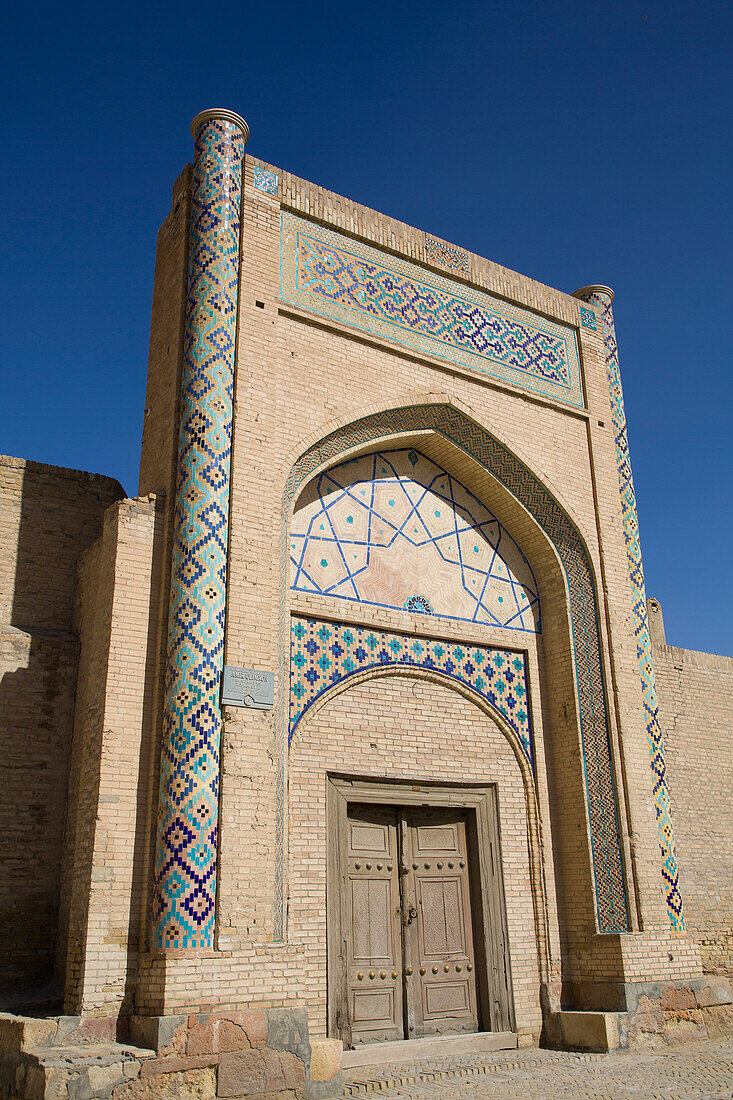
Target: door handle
<point>410,916</point>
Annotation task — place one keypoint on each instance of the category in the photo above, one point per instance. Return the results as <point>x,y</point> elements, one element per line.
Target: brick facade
<point>316,385</point>
<point>49,515</point>
<point>696,712</point>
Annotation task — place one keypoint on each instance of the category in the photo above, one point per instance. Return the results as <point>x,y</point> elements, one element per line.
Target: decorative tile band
<point>472,439</point>
<point>265,181</point>
<point>323,654</point>
<point>358,285</point>
<point>375,528</point>
<point>188,810</point>
<point>670,871</point>
<point>453,258</point>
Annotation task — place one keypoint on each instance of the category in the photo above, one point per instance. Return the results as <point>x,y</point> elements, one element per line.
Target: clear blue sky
<point>574,142</point>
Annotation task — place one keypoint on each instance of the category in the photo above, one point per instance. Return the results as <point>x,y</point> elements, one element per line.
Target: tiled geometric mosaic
<point>588,319</point>
<point>265,181</point>
<point>393,529</point>
<point>324,654</point>
<point>453,425</point>
<point>185,870</point>
<point>670,871</point>
<point>455,259</point>
<point>359,285</point>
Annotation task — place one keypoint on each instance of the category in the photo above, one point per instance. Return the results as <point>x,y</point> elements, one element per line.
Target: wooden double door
<point>410,955</point>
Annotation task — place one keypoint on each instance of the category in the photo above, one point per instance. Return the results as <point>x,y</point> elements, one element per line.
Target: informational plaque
<point>247,687</point>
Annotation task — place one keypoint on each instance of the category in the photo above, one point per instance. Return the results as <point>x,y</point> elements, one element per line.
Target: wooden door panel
<point>445,998</point>
<point>437,840</point>
<point>374,942</point>
<point>440,972</point>
<point>372,938</point>
<point>440,909</point>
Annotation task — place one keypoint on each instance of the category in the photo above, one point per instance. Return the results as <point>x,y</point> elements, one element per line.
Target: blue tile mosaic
<point>185,870</point>
<point>361,286</point>
<point>323,654</point>
<point>455,259</point>
<point>588,319</point>
<point>265,181</point>
<point>655,740</point>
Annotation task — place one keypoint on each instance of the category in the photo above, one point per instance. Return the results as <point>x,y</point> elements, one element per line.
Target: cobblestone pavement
<point>695,1071</point>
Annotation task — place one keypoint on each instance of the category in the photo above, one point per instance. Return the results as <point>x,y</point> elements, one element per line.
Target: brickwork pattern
<point>670,870</point>
<point>108,831</point>
<point>185,874</point>
<point>48,516</point>
<point>300,379</point>
<point>419,730</point>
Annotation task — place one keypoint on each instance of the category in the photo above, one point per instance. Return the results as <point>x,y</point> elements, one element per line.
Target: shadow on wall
<point>48,516</point>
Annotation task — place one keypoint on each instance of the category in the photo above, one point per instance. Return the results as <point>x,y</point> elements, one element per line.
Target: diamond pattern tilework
<point>455,259</point>
<point>185,870</point>
<point>670,872</point>
<point>611,905</point>
<point>265,181</point>
<point>359,285</point>
<point>588,319</point>
<point>393,527</point>
<point>324,654</point>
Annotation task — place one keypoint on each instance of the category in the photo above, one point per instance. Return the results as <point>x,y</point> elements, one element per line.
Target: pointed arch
<point>446,422</point>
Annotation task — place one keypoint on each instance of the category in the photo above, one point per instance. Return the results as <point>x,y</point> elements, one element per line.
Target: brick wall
<point>48,516</point>
<point>111,795</point>
<point>696,711</point>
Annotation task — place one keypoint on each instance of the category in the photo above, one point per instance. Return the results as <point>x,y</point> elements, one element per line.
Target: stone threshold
<point>434,1046</point>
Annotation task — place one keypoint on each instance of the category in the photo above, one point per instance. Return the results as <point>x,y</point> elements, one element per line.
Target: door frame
<point>491,940</point>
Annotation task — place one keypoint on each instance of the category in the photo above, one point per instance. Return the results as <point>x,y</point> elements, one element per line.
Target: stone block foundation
<point>254,1054</point>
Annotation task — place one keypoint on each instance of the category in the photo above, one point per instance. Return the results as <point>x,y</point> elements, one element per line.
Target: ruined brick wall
<point>696,711</point>
<point>48,516</point>
<point>112,765</point>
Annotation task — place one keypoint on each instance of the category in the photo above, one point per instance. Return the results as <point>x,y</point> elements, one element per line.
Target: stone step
<point>82,1071</point>
<point>433,1046</point>
<point>598,1031</point>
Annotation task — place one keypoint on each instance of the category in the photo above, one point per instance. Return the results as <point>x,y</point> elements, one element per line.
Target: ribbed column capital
<point>219,114</point>
<point>605,293</point>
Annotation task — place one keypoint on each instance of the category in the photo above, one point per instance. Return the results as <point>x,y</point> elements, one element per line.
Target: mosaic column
<point>602,296</point>
<point>188,808</point>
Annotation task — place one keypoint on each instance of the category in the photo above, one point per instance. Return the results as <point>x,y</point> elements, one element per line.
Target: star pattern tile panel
<point>393,529</point>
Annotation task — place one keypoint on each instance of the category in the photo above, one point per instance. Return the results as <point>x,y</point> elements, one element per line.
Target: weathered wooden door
<point>374,941</point>
<point>409,952</point>
<point>440,974</point>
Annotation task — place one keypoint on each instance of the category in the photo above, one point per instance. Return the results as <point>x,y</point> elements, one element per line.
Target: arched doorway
<point>415,862</point>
